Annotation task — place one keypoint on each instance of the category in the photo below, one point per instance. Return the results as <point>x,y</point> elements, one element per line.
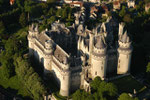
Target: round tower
<point>124,54</point>
<point>65,80</point>
<point>48,50</point>
<point>99,58</point>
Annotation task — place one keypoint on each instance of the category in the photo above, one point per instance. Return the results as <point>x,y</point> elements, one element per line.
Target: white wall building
<point>94,53</point>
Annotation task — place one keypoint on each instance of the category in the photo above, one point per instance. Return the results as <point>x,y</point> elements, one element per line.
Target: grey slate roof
<point>125,38</point>
<point>100,43</point>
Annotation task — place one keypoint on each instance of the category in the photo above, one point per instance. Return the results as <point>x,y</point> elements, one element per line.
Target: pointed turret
<point>125,38</point>
<point>80,29</point>
<point>36,28</point>
<point>100,43</point>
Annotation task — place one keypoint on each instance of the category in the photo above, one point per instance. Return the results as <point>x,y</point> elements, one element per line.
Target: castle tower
<point>48,51</point>
<point>99,58</point>
<point>33,31</point>
<point>124,54</point>
<point>65,81</point>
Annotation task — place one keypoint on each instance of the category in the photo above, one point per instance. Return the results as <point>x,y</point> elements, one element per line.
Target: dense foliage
<point>125,96</point>
<point>100,90</point>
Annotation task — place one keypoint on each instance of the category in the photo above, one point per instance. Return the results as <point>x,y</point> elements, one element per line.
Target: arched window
<point>95,73</point>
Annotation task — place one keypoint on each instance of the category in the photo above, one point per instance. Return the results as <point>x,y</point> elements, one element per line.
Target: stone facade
<point>76,55</point>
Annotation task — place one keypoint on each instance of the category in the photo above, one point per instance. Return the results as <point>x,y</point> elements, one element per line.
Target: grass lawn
<point>128,84</point>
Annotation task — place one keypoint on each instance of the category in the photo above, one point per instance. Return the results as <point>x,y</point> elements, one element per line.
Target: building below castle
<point>75,55</point>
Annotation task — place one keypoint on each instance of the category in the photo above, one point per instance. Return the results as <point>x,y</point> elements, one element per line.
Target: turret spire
<point>125,37</point>
<point>100,43</point>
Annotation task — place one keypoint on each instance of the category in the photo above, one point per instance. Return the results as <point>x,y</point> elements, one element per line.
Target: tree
<point>59,13</point>
<point>82,95</point>
<point>64,13</point>
<point>148,68</point>
<point>11,46</point>
<point>30,79</point>
<point>8,69</point>
<point>122,12</point>
<point>112,89</point>
<point>2,29</point>
<point>51,11</point>
<point>20,3</point>
<point>127,18</point>
<point>23,20</point>
<point>4,2</point>
<point>51,1</point>
<point>95,83</point>
<point>77,95</point>
<point>125,96</point>
<point>51,19</point>
<point>102,89</point>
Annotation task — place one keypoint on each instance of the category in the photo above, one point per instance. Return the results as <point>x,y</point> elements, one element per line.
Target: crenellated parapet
<point>125,46</point>
<point>33,30</point>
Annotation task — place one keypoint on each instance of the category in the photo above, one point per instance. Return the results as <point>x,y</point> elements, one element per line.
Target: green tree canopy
<point>2,29</point>
<point>95,83</point>
<point>30,79</point>
<point>20,4</point>
<point>125,96</point>
<point>122,12</point>
<point>148,68</point>
<point>7,68</point>
<point>127,18</point>
<point>51,1</point>
<point>23,20</point>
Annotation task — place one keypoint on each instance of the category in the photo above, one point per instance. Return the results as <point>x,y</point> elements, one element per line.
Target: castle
<point>75,54</point>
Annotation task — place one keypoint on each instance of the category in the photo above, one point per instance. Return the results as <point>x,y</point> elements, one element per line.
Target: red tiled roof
<point>93,9</point>
<point>12,2</point>
<point>116,3</point>
<point>78,2</point>
<point>148,5</point>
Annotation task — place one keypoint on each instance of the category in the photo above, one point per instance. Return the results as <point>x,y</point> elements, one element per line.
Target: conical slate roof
<point>125,38</point>
<point>100,43</point>
<point>80,28</point>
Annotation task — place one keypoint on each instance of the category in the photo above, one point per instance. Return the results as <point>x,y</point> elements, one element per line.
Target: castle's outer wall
<point>123,63</point>
<point>112,64</point>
